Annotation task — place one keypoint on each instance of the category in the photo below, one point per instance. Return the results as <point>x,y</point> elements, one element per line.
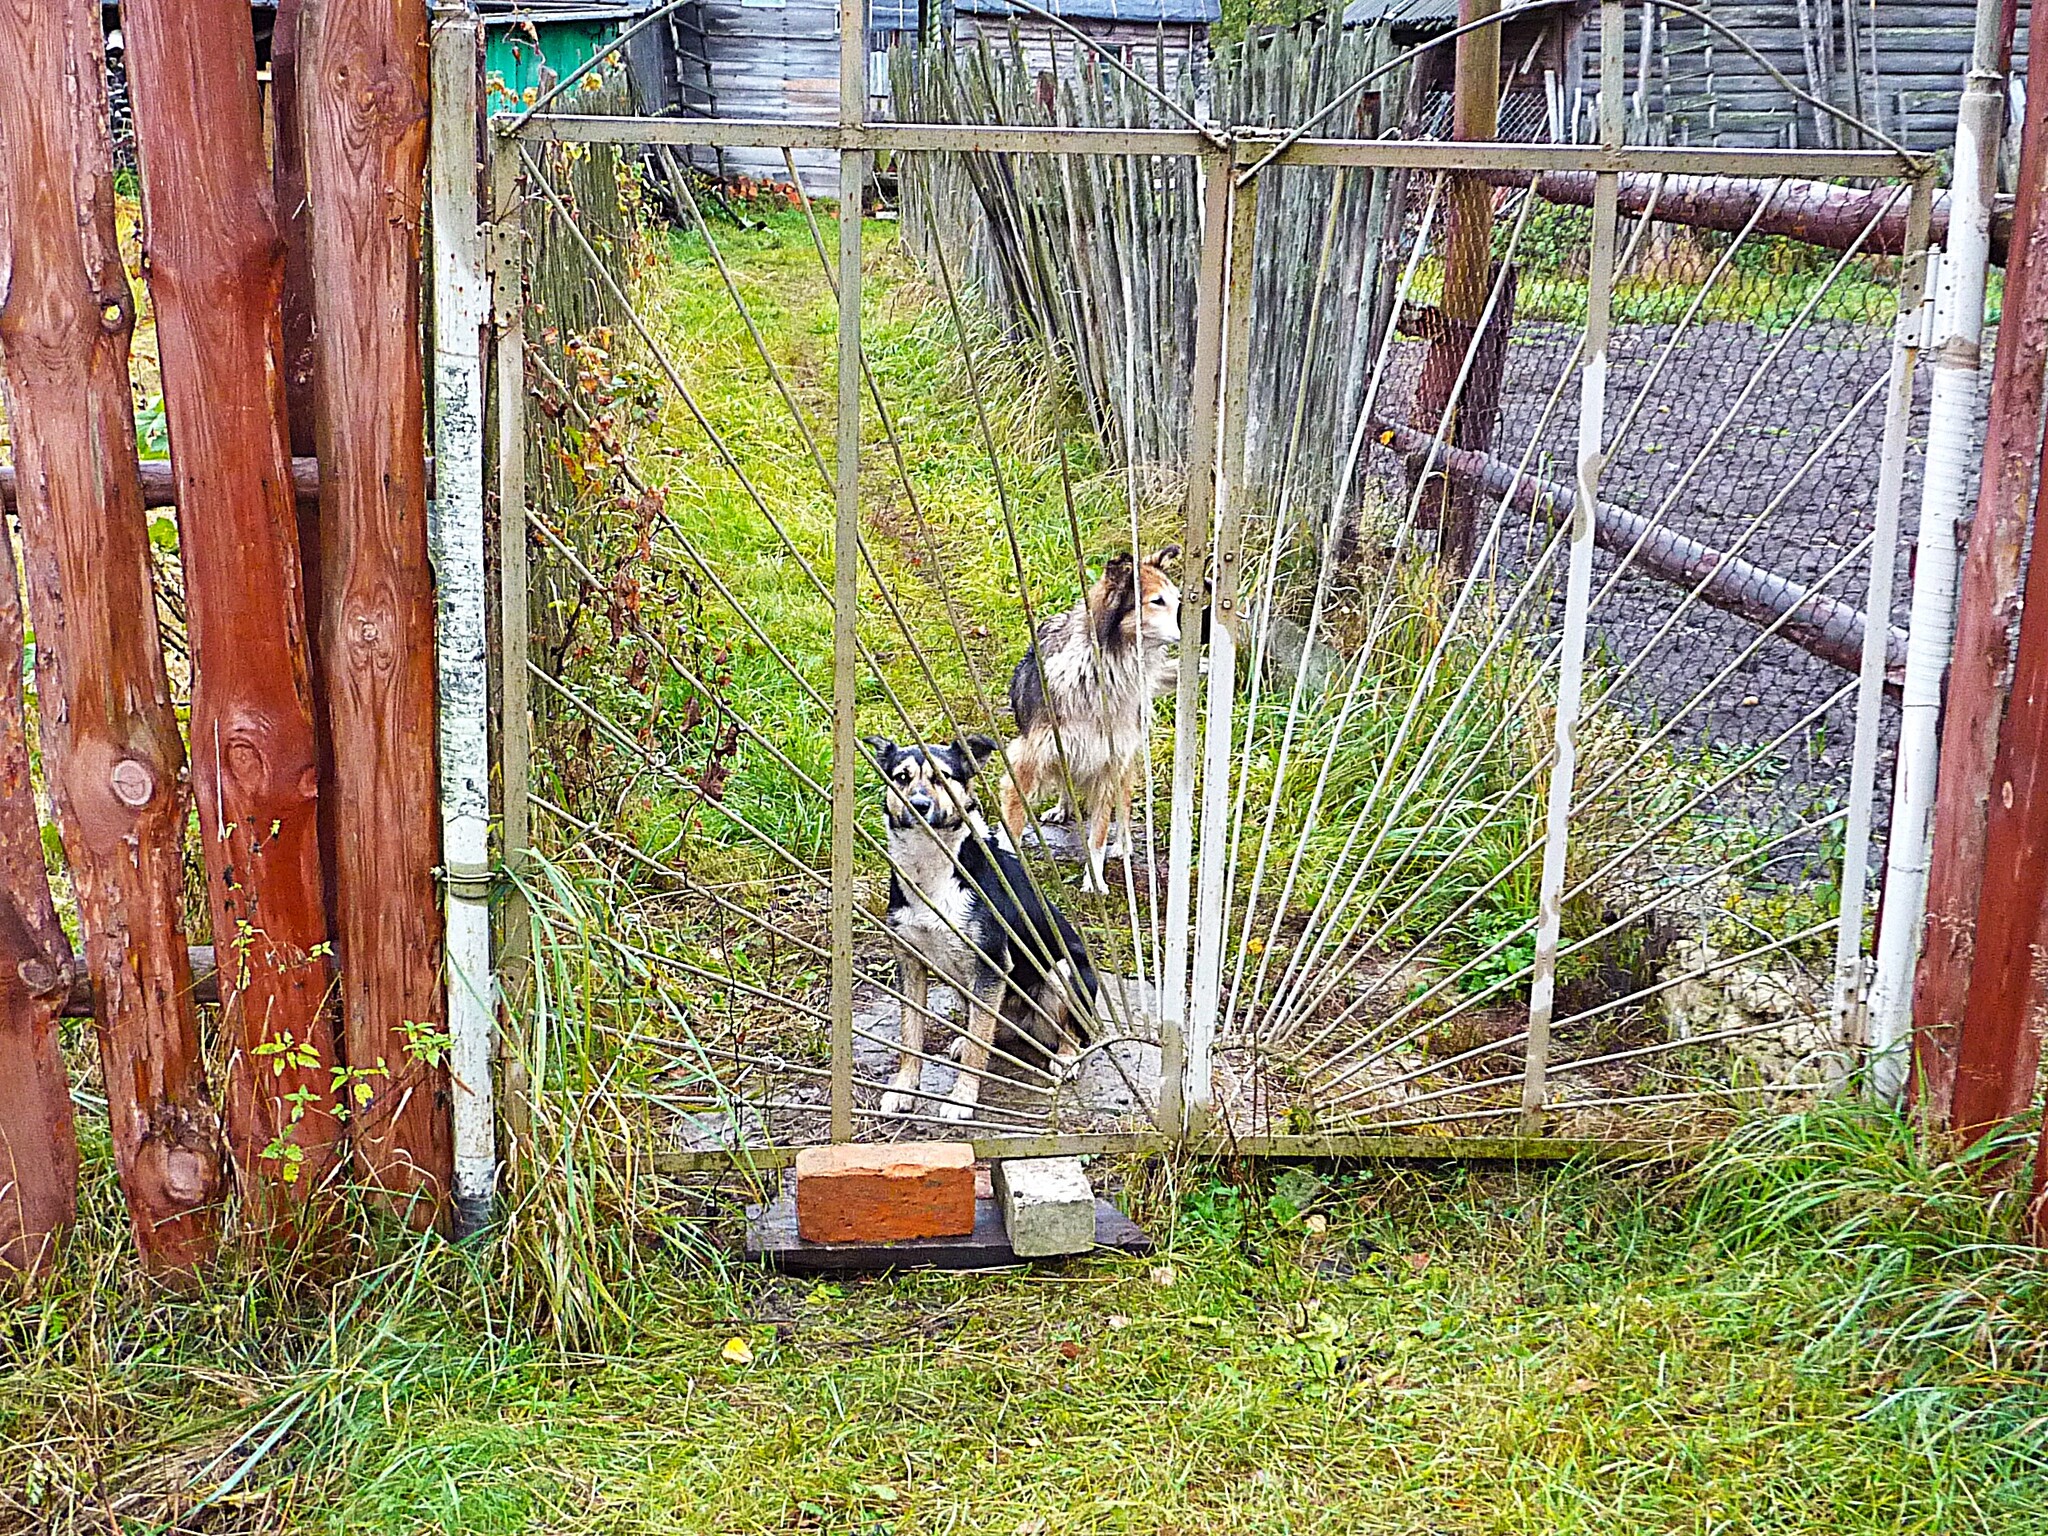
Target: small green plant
<point>427,1044</point>
<point>153,433</point>
<point>1511,960</point>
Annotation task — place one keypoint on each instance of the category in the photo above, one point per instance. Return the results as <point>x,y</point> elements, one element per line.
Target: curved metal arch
<point>1506,13</point>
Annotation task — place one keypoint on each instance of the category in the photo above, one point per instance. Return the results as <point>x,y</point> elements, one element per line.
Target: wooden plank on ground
<point>772,1239</point>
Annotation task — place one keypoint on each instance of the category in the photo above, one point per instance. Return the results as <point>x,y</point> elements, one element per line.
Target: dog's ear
<point>1167,556</point>
<point>879,747</point>
<point>1112,600</point>
<point>976,750</point>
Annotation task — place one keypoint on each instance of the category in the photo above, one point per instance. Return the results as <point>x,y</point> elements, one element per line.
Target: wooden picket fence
<point>309,754</point>
<point>1096,254</point>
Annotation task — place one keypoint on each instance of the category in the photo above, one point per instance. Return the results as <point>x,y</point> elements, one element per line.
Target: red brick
<point>885,1193</point>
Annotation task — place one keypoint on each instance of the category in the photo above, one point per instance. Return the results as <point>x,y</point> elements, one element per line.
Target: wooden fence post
<point>110,740</point>
<point>364,115</point>
<point>215,267</point>
<point>38,1152</point>
<point>1974,707</point>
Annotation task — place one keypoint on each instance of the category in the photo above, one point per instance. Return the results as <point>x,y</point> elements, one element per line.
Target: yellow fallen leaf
<point>738,1352</point>
<point>1117,1321</point>
<point>1317,1224</point>
<point>1163,1275</point>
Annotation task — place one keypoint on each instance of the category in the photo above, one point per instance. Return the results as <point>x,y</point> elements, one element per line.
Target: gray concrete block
<point>1048,1206</point>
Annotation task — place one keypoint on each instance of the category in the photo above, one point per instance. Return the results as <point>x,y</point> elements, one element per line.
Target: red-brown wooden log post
<point>1998,1051</point>
<point>38,1152</point>
<point>215,266</point>
<point>110,740</point>
<point>363,98</point>
<point>1974,706</point>
<point>1468,420</point>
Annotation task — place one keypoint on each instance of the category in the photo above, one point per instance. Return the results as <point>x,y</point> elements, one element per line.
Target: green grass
<point>1823,1332</point>
<point>949,557</point>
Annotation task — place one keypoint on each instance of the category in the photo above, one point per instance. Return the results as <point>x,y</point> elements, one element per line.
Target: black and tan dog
<point>963,907</point>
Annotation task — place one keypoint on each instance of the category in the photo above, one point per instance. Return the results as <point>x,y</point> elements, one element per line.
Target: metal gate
<point>1517,790</point>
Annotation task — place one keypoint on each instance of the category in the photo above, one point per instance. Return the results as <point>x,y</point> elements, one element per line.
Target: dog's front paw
<point>899,1102</point>
<point>1093,884</point>
<point>951,1111</point>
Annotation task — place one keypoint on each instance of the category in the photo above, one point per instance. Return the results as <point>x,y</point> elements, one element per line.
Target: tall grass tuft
<point>1904,1261</point>
<point>584,1213</point>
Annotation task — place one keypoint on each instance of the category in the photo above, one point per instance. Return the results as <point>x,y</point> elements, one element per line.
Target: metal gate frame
<point>1230,162</point>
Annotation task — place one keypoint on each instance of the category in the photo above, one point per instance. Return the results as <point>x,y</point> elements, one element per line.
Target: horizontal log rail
<point>205,984</point>
<point>160,486</point>
<point>1816,212</point>
<point>1825,626</point>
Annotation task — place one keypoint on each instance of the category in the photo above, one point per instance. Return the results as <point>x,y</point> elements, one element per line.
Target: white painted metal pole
<point>1201,506</point>
<point>1205,993</point>
<point>1571,666</point>
<point>456,542</point>
<point>1850,1000</point>
<point>1948,482</point>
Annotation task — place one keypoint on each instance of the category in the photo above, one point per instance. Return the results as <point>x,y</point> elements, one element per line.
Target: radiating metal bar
<point>1589,881</point>
<point>1267,607</point>
<point>1725,962</point>
<point>1311,946</point>
<point>845,610</point>
<point>1578,581</point>
<point>1849,999</point>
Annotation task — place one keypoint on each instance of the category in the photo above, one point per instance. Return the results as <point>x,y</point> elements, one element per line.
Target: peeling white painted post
<point>1948,480</point>
<point>1571,665</point>
<point>455,539</point>
<point>1850,1015</point>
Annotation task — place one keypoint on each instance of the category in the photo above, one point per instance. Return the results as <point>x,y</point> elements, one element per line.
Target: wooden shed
<point>1895,65</point>
<point>1158,38</point>
<point>1542,63</point>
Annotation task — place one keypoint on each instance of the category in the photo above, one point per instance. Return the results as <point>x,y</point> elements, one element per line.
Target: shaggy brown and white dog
<point>1083,697</point>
